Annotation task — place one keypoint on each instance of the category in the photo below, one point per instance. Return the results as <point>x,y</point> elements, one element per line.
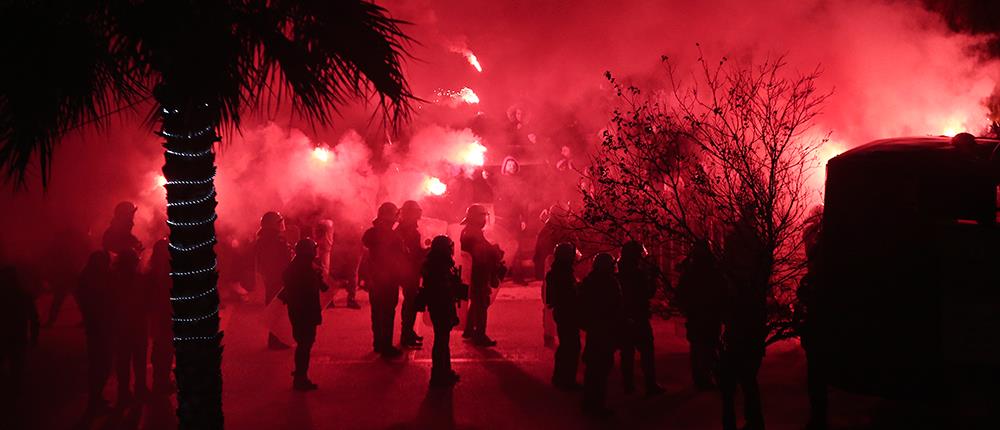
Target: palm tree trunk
<point>190,132</point>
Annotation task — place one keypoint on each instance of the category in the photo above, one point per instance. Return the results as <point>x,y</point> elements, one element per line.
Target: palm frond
<point>59,72</point>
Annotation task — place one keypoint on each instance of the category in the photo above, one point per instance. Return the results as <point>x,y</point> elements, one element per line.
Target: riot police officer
<point>386,255</point>
<point>487,270</point>
<point>407,230</point>
<point>601,317</point>
<point>271,257</point>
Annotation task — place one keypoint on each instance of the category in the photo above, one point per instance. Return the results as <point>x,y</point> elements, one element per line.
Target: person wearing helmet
<point>409,216</point>
<point>561,297</point>
<point>601,316</point>
<point>271,257</point>
<point>303,282</point>
<point>118,237</point>
<point>386,254</point>
<point>131,337</point>
<point>638,287</point>
<point>487,270</point>
<point>441,291</point>
<point>553,232</point>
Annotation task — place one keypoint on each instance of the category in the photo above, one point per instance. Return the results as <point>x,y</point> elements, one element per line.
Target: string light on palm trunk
<point>198,318</point>
<point>193,223</point>
<point>214,265</point>
<point>190,182</point>
<point>193,247</point>
<point>194,296</point>
<point>199,200</point>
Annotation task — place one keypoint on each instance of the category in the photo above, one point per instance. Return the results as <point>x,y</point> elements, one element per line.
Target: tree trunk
<point>190,132</point>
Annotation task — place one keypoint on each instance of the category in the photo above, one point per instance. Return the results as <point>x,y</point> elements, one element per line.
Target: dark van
<point>909,303</point>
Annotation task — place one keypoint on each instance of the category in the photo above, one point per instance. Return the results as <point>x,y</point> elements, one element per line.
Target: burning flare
<point>468,96</point>
<point>322,154</point>
<point>475,154</point>
<point>473,60</point>
<point>433,186</point>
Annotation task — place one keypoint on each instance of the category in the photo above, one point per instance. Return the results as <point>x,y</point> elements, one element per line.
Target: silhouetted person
<point>442,288</point>
<point>95,296</point>
<point>700,295</point>
<point>816,376</point>
<point>345,257</point>
<point>18,329</point>
<point>601,316</point>
<point>271,257</point>
<point>638,288</point>
<point>748,265</point>
<point>118,238</point>
<point>161,330</point>
<point>66,255</point>
<point>487,271</point>
<point>407,230</point>
<point>131,332</point>
<point>552,233</point>
<point>303,283</point>
<point>561,296</point>
<point>386,256</point>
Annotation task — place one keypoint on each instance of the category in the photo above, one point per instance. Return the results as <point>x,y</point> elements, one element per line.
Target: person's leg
<point>647,356</point>
<point>376,302</point>
<point>139,360</point>
<point>727,387</point>
<point>389,314</point>
<point>123,368</point>
<point>162,360</point>
<point>472,317</point>
<point>96,370</point>
<point>627,359</point>
<point>567,355</point>
<point>752,410</point>
<point>817,383</point>
<point>408,313</point>
<point>58,297</point>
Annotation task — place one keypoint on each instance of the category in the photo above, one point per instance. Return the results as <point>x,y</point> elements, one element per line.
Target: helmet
<point>387,211</point>
<point>565,252</point>
<point>442,244</point>
<point>633,249</point>
<point>474,212</point>
<point>305,248</point>
<point>125,210</point>
<point>271,219</point>
<point>410,210</point>
<point>604,262</point>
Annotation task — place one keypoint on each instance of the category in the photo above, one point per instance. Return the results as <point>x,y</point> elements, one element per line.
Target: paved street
<point>503,387</point>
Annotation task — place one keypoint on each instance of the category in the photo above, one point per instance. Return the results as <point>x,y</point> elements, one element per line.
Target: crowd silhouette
<point>125,306</point>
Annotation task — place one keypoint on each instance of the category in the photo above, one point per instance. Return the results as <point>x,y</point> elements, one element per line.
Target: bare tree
<point>687,163</point>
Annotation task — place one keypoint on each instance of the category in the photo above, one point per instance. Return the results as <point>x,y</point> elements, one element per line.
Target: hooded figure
<point>440,293</point>
<point>303,283</point>
<point>561,296</point>
<point>386,256</point>
<point>602,317</point>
